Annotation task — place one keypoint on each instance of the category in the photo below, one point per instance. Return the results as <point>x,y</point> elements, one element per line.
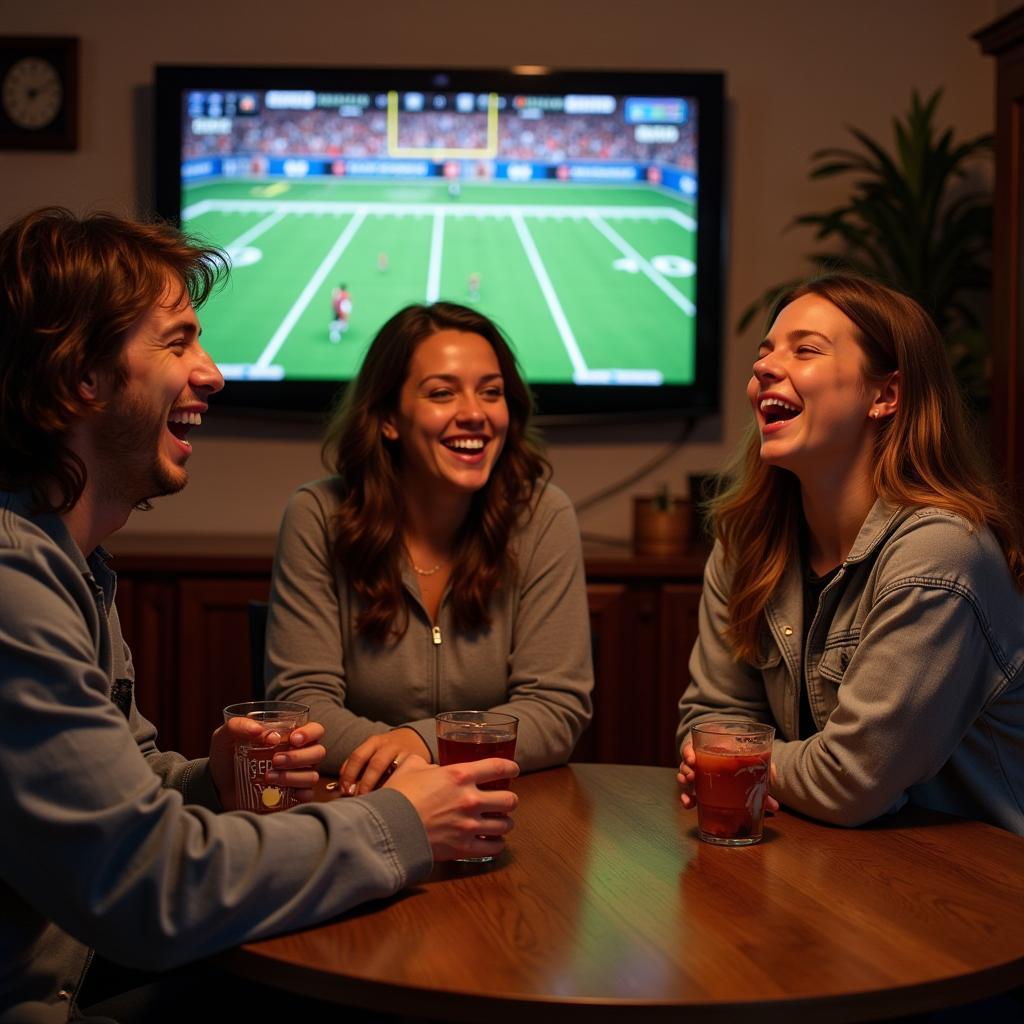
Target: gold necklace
<point>425,572</point>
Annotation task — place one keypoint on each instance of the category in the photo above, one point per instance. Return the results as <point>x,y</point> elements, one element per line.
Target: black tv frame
<point>555,401</point>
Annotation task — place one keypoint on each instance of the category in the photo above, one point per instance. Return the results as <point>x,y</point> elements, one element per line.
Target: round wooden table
<point>606,904</point>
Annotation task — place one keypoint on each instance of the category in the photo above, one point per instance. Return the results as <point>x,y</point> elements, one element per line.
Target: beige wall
<point>797,72</point>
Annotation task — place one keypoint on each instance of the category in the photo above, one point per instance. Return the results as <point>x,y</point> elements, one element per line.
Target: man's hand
<point>461,820</point>
<point>687,779</point>
<point>294,768</point>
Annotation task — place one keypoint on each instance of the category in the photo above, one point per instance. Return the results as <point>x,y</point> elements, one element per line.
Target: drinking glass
<point>254,756</point>
<point>472,736</point>
<point>734,759</point>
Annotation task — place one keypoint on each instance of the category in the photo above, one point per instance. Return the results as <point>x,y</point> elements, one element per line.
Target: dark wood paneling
<point>601,740</point>
<point>213,667</point>
<point>155,651</point>
<point>1004,40</point>
<point>680,603</point>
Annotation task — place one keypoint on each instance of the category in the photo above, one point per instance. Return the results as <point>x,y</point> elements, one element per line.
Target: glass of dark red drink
<point>734,759</point>
<point>473,736</point>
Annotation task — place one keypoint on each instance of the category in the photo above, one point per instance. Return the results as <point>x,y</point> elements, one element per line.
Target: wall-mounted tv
<point>582,211</point>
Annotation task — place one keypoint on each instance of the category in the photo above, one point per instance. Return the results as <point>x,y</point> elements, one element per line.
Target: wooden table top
<point>606,905</point>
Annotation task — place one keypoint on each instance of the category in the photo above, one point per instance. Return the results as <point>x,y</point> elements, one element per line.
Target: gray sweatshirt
<point>533,661</point>
<point>109,843</point>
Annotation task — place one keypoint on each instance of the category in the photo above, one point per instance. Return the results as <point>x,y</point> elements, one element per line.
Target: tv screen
<point>582,211</point>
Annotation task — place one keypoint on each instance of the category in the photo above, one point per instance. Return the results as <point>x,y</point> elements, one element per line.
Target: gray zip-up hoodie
<point>533,661</point>
<point>914,667</point>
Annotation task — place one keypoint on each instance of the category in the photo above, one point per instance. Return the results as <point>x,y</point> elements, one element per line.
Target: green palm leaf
<point>912,218</point>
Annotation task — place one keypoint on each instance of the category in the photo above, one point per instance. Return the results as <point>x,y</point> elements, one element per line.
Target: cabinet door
<point>148,610</point>
<point>600,741</point>
<point>214,667</point>
<point>624,622</point>
<point>680,603</point>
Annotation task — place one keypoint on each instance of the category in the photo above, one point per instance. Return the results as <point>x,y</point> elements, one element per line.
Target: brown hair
<point>923,454</point>
<point>369,522</point>
<point>71,290</point>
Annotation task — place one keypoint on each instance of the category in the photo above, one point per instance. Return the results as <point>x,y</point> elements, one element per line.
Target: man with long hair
<point>110,842</point>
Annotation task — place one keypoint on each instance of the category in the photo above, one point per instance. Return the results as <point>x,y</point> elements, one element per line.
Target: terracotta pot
<point>661,531</point>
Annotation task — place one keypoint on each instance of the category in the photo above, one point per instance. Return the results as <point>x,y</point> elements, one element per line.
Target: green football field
<point>592,284</point>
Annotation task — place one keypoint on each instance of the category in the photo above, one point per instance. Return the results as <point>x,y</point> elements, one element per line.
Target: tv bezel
<point>555,402</point>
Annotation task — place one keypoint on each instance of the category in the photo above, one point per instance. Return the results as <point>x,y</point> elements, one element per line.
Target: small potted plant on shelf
<point>661,523</point>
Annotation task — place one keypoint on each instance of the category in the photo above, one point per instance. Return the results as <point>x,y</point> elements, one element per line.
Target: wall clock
<point>38,92</point>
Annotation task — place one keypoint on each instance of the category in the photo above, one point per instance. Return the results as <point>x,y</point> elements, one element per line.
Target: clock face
<point>32,93</point>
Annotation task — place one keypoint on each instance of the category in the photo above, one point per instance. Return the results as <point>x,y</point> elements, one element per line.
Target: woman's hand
<point>370,764</point>
<point>687,779</point>
<point>294,768</point>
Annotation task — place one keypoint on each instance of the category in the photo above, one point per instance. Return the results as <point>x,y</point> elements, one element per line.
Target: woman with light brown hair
<point>864,594</point>
<point>437,569</point>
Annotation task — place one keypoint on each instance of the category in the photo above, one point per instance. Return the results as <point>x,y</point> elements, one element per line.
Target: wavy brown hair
<point>71,291</point>
<point>369,523</point>
<point>924,455</point>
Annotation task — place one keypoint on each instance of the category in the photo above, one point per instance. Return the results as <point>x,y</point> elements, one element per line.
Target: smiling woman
<point>864,595</point>
<point>818,408</point>
<point>449,428</point>
<point>437,570</point>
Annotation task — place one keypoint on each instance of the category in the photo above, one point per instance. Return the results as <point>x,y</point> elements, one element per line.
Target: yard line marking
<point>255,231</point>
<point>198,209</point>
<point>293,314</point>
<point>434,271</point>
<point>685,304</point>
<point>557,313</point>
<point>683,220</point>
<point>480,210</point>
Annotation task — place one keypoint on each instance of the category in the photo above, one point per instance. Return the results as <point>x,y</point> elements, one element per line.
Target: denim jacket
<point>111,843</point>
<point>915,674</point>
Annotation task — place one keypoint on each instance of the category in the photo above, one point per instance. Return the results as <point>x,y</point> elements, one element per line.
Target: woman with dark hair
<point>864,594</point>
<point>437,569</point>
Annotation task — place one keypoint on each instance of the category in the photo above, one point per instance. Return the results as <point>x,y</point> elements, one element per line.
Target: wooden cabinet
<point>184,607</point>
<point>184,610</point>
<point>643,620</point>
<point>1004,40</point>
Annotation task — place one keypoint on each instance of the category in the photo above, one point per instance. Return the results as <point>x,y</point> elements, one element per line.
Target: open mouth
<point>180,422</point>
<point>465,445</point>
<point>777,410</point>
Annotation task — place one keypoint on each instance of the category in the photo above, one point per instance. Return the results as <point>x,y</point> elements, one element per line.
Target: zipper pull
<point>436,634</point>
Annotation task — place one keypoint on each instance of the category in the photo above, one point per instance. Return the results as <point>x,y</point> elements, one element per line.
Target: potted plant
<point>661,523</point>
<point>914,221</point>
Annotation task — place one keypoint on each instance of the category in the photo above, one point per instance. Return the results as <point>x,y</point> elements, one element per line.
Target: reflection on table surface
<point>606,903</point>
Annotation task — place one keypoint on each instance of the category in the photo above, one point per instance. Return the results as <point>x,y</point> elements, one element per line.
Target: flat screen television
<point>582,211</point>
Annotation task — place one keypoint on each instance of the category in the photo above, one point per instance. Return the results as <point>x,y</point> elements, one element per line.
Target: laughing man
<point>109,842</point>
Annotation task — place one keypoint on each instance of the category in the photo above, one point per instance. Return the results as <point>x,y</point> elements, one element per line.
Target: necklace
<point>425,572</point>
